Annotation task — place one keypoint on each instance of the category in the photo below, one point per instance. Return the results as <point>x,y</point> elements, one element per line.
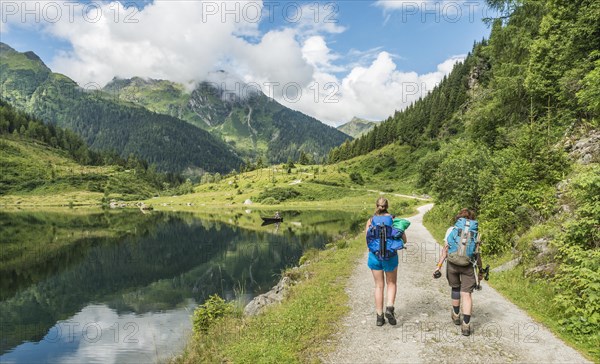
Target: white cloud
<point>277,58</point>
<point>180,41</point>
<point>374,92</point>
<point>316,52</point>
<point>186,41</point>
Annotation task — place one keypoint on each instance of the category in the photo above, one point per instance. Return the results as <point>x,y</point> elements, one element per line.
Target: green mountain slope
<point>251,122</point>
<point>46,165</point>
<point>108,124</point>
<point>356,127</point>
<point>30,168</point>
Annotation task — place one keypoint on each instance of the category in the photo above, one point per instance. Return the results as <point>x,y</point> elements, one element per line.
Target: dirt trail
<point>401,195</point>
<point>424,333</point>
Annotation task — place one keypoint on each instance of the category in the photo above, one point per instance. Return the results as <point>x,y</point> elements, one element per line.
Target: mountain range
<point>106,124</point>
<point>248,120</point>
<point>160,121</point>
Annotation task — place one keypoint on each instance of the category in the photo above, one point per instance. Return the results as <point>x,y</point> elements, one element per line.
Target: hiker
<point>460,270</point>
<point>384,262</point>
<point>277,215</point>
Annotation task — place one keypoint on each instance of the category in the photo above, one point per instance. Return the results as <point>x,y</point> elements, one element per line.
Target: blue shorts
<point>384,265</point>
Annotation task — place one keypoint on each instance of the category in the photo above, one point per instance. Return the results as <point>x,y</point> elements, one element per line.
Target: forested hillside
<point>43,158</point>
<point>249,121</point>
<point>513,132</point>
<point>105,124</point>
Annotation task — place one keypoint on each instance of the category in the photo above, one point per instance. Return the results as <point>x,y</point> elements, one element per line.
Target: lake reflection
<point>121,286</point>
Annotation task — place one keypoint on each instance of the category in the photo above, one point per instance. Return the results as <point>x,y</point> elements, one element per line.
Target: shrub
<point>578,278</point>
<point>209,312</point>
<point>327,183</point>
<point>279,194</point>
<point>357,178</point>
<point>269,201</point>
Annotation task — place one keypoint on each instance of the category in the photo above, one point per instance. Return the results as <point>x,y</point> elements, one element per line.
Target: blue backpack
<point>382,239</point>
<point>462,242</point>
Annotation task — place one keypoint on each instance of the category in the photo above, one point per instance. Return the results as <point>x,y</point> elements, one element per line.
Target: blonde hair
<point>381,206</point>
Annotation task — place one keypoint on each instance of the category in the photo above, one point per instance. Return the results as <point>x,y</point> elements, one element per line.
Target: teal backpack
<point>462,242</point>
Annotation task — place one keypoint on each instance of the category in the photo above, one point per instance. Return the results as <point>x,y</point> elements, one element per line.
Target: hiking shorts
<point>384,265</point>
<point>463,277</point>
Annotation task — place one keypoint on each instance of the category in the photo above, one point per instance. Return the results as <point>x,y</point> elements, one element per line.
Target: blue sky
<point>369,50</point>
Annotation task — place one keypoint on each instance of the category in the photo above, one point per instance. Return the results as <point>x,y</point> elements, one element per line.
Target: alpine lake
<point>106,286</point>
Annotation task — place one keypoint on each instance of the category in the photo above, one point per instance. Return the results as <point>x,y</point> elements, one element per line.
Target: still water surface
<point>120,287</point>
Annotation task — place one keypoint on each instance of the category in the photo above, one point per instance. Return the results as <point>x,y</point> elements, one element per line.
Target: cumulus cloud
<point>177,40</point>
<point>316,52</point>
<point>373,92</point>
<point>187,41</point>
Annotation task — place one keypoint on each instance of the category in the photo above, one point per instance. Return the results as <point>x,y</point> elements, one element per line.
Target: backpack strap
<point>466,233</point>
<point>382,241</point>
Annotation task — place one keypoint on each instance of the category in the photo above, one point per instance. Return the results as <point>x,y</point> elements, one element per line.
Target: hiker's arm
<point>367,225</point>
<point>442,257</point>
<point>404,237</point>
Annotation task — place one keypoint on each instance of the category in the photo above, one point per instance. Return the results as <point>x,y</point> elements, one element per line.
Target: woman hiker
<point>384,269</point>
<point>461,278</point>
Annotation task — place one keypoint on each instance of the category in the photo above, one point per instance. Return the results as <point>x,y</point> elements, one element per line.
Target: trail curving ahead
<point>424,333</point>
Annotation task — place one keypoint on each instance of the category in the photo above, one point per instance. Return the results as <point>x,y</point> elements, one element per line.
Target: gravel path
<point>424,333</point>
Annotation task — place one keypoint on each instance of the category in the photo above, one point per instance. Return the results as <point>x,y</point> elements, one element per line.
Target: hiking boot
<point>455,317</point>
<point>465,329</point>
<point>380,320</point>
<point>389,314</point>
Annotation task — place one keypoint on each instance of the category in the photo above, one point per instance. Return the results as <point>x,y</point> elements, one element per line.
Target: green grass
<point>314,186</point>
<point>36,175</point>
<point>535,296</point>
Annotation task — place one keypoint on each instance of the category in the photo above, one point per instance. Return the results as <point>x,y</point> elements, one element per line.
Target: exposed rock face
<point>275,295</point>
<point>585,150</point>
<point>541,245</point>
<point>542,271</point>
<point>508,265</point>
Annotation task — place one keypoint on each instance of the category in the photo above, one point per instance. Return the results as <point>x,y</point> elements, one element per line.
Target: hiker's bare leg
<point>390,280</point>
<point>467,303</point>
<point>379,283</point>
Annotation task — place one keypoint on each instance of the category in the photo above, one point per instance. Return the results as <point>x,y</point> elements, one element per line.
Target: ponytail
<point>381,206</point>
